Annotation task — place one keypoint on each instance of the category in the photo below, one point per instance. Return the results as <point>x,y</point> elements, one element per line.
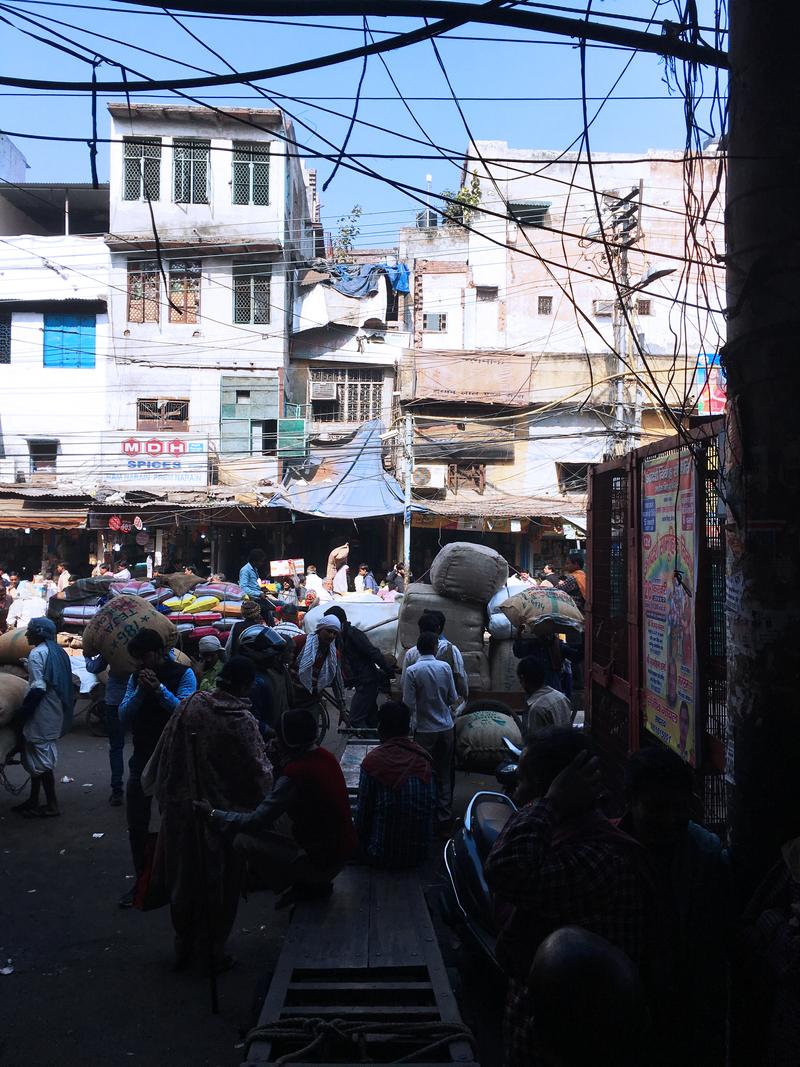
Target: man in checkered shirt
<point>559,862</point>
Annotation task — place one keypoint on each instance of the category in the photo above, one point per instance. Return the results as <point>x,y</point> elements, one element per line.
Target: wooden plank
<point>334,933</point>
<point>377,1012</point>
<point>393,919</point>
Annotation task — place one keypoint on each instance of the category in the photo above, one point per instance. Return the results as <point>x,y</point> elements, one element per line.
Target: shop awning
<point>21,514</point>
<point>344,481</point>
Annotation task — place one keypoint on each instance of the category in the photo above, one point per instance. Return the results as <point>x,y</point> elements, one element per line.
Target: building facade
<point>543,340</point>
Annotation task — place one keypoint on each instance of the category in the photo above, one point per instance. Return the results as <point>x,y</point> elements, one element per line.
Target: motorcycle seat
<point>487,822</point>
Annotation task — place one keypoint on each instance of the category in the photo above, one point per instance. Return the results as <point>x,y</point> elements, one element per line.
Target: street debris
<point>98,836</point>
<point>66,779</point>
<point>8,969</point>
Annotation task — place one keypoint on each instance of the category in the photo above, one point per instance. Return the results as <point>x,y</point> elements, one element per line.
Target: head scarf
<point>57,670</point>
<point>329,668</point>
<point>330,622</point>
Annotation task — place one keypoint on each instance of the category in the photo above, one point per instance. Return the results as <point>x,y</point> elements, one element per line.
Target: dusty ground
<point>92,984</point>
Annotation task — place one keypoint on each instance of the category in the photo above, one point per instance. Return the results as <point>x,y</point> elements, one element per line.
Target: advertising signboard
<point>669,583</point>
<point>139,459</point>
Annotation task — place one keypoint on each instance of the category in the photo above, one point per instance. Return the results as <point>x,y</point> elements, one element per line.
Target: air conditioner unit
<point>433,476</point>
<point>603,308</point>
<point>323,390</point>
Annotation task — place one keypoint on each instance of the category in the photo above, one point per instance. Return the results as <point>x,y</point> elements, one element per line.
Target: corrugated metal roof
<point>469,503</point>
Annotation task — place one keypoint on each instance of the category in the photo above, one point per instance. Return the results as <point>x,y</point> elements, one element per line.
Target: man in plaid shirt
<point>559,862</point>
<point>396,795</point>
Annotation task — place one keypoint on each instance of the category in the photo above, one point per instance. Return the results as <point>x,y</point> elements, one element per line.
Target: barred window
<point>251,293</point>
<point>155,413</point>
<point>141,168</point>
<point>5,336</point>
<point>643,307</point>
<point>250,183</point>
<point>190,178</point>
<point>434,322</point>
<point>345,395</point>
<point>545,305</point>
<point>143,290</point>
<point>184,290</point>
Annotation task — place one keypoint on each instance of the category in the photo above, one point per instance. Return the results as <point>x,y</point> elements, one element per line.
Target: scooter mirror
<point>512,748</point>
<point>506,775</point>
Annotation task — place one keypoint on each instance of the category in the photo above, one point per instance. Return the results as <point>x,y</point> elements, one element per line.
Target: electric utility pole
<point>625,226</point>
<point>408,472</point>
<point>762,454</point>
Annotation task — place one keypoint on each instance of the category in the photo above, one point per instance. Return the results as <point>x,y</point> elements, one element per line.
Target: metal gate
<point>614,619</point>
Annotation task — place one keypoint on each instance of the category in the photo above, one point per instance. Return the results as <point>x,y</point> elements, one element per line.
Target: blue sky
<point>530,66</point>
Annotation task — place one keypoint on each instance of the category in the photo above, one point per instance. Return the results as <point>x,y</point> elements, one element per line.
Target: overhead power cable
<point>452,15</point>
<point>669,43</point>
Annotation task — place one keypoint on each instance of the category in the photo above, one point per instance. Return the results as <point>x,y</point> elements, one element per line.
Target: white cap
<point>209,644</point>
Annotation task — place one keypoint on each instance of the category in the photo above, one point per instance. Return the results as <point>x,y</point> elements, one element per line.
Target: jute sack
<point>110,631</point>
<point>542,612</point>
<point>463,571</point>
<point>8,742</point>
<point>503,667</point>
<point>463,626</point>
<point>479,739</point>
<point>14,646</point>
<point>12,693</point>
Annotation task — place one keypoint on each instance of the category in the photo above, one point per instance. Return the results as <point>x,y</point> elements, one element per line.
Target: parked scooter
<point>467,900</point>
<point>506,773</point>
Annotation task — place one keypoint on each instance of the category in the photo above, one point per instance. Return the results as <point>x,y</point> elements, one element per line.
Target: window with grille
<point>141,168</point>
<point>486,292</point>
<point>643,307</point>
<point>69,339</point>
<point>143,290</point>
<point>572,477</point>
<point>184,290</point>
<point>5,336</point>
<point>434,323</point>
<point>190,177</point>
<point>353,396</point>
<point>544,305</point>
<point>250,182</point>
<point>155,413</point>
<point>251,293</point>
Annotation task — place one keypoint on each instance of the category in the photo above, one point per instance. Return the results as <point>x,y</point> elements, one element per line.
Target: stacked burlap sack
<point>464,578</point>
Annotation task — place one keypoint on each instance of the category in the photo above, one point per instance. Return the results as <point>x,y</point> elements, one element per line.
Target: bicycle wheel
<point>324,723</point>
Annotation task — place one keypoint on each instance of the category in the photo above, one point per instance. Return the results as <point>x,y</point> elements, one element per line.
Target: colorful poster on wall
<point>710,385</point>
<point>669,582</point>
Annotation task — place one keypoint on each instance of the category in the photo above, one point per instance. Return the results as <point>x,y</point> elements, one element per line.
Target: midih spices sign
<point>150,459</point>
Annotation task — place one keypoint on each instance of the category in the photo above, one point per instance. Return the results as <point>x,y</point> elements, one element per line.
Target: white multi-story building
<point>210,213</point>
<point>523,340</point>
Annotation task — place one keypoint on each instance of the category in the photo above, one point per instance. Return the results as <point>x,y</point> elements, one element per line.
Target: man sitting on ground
<point>545,706</point>
<point>396,794</point>
<point>304,856</point>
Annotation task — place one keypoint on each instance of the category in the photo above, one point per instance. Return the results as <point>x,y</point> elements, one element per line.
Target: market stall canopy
<point>344,481</point>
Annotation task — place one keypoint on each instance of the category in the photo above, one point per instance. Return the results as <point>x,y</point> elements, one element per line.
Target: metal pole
<point>408,456</point>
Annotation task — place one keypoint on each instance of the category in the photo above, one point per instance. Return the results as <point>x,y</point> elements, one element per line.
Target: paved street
<point>92,983</point>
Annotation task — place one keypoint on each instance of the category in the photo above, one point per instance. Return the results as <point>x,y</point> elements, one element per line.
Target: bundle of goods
<point>197,608</point>
<point>463,571</point>
<point>14,646</point>
<point>464,625</point>
<point>76,604</point>
<point>541,612</point>
<point>502,661</point>
<point>367,612</point>
<point>479,737</point>
<point>110,631</point>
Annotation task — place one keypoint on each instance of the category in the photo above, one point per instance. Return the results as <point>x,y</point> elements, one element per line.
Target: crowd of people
<point>625,923</point>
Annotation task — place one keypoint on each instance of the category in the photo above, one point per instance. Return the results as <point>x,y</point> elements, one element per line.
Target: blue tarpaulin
<point>347,481</point>
<point>361,280</point>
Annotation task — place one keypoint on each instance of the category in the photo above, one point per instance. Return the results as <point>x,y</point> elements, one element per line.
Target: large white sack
<point>463,571</point>
<point>503,667</point>
<point>463,626</point>
<point>476,665</point>
<point>377,617</point>
<point>509,589</point>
